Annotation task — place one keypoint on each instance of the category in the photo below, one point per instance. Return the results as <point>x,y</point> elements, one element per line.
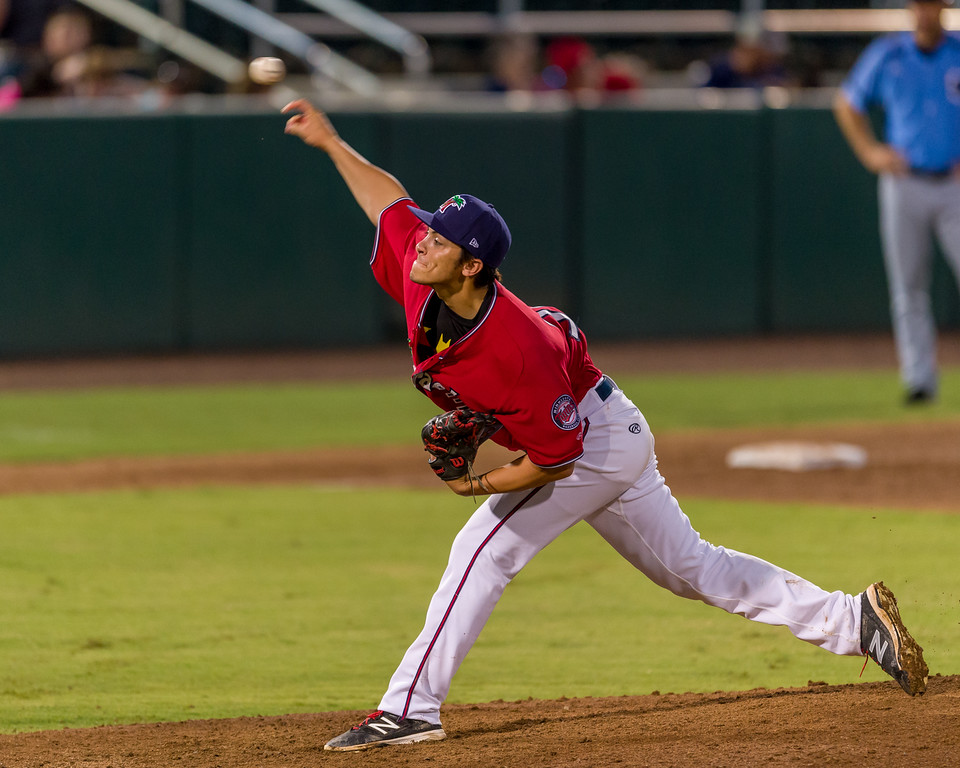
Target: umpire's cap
<point>473,225</point>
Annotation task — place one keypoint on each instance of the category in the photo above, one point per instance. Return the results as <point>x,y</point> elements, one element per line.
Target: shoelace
<point>367,719</point>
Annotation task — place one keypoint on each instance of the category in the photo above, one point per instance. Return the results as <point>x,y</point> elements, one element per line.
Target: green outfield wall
<point>217,231</point>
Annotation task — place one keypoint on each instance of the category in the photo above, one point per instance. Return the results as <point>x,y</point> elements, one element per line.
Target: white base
<point>797,456</point>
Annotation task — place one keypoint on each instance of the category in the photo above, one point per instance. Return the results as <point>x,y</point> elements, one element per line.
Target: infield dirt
<point>913,466</point>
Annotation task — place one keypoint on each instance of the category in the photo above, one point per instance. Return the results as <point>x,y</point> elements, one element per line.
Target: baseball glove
<point>453,438</point>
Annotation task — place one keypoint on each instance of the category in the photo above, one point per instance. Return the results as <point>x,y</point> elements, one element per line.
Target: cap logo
<point>474,243</point>
<point>456,200</point>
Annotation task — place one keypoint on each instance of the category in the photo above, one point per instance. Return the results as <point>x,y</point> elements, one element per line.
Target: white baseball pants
<point>617,489</point>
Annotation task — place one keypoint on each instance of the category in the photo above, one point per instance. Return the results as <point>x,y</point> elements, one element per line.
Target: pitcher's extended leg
<point>649,529</point>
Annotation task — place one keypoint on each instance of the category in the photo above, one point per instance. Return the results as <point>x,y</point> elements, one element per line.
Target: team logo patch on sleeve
<point>564,412</point>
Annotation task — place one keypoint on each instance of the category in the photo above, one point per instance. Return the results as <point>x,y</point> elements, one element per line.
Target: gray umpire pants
<point>912,211</point>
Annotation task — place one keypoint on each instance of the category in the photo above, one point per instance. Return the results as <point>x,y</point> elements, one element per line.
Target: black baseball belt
<point>604,388</point>
<point>938,174</point>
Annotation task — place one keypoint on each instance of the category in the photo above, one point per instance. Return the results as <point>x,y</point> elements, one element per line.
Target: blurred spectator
<point>10,94</point>
<point>67,33</point>
<point>514,62</point>
<point>573,65</point>
<point>21,30</point>
<point>621,72</point>
<point>69,64</point>
<point>756,60</point>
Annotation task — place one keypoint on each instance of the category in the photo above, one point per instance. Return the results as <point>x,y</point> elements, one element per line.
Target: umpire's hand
<point>882,158</point>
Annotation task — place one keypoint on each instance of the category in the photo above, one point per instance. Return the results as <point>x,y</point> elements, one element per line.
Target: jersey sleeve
<point>541,416</point>
<point>861,87</point>
<point>398,231</point>
<point>551,457</point>
<point>549,429</point>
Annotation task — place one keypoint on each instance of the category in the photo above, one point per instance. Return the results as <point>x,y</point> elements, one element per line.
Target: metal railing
<point>411,47</point>
<point>170,37</point>
<point>321,60</point>
<point>626,23</point>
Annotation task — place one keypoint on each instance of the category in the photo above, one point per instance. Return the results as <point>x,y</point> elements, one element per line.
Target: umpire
<point>915,78</point>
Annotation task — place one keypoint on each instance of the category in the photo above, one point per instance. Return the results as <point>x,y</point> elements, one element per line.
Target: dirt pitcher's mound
<point>873,724</point>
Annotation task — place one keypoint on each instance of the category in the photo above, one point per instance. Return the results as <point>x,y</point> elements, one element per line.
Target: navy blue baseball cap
<point>473,225</point>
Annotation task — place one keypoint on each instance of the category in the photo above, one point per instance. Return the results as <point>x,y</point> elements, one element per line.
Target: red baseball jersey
<point>529,366</point>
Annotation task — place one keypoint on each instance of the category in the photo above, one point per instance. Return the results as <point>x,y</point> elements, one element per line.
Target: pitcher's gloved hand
<point>453,438</point>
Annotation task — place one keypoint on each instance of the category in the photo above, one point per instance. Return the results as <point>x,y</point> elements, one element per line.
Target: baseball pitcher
<point>522,377</point>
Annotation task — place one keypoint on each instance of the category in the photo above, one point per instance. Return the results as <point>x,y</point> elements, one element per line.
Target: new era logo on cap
<point>473,225</point>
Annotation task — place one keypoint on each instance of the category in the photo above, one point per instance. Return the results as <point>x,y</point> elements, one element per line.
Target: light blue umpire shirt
<point>919,93</point>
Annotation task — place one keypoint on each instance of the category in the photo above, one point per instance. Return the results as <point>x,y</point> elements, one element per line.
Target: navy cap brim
<point>430,219</point>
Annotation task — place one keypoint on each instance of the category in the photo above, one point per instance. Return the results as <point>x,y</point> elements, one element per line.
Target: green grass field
<point>224,601</point>
<point>45,425</point>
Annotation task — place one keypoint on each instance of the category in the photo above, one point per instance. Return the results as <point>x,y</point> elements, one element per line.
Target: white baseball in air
<point>267,70</point>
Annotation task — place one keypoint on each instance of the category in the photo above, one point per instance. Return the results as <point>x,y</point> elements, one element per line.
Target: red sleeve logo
<point>564,413</point>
